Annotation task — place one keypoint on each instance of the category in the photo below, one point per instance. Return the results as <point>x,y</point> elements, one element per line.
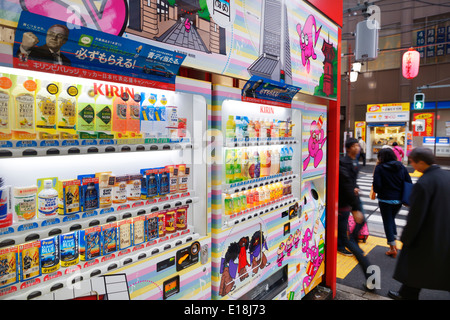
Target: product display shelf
<point>25,231</point>
<point>258,182</point>
<point>253,142</point>
<point>70,276</point>
<point>259,210</point>
<point>69,147</point>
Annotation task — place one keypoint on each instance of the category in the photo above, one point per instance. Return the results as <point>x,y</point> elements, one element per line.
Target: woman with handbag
<point>389,178</point>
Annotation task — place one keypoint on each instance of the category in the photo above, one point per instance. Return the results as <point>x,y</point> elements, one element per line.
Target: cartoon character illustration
<point>258,259</point>
<point>289,245</point>
<point>315,144</point>
<point>308,40</point>
<point>297,238</point>
<point>187,25</point>
<point>280,254</point>
<point>228,269</point>
<point>243,263</point>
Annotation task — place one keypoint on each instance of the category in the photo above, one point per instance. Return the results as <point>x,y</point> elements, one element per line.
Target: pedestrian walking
<point>362,152</point>
<point>388,180</point>
<point>349,203</point>
<point>424,261</point>
<point>398,151</point>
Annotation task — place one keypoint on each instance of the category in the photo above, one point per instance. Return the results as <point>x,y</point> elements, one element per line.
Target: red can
<point>181,218</point>
<point>170,221</point>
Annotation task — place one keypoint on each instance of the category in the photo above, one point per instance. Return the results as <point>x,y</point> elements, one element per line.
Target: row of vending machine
<point>253,193</point>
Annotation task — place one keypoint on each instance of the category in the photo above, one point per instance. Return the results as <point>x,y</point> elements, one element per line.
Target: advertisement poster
<point>360,129</point>
<point>423,124</point>
<point>48,45</point>
<point>235,38</point>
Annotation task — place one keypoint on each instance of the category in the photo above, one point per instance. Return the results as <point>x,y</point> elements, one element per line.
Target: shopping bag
<point>407,188</point>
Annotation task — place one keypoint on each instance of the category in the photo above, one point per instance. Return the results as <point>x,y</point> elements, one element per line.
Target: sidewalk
<point>348,293</point>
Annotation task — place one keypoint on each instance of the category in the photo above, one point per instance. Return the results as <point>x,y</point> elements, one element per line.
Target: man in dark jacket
<point>349,202</point>
<point>424,260</point>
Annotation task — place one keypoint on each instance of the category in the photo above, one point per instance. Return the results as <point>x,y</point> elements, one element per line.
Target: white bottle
<point>47,200</point>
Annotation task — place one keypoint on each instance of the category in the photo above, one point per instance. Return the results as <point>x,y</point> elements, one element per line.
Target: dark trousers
<point>409,293</point>
<point>388,213</point>
<point>350,242</point>
<point>363,156</point>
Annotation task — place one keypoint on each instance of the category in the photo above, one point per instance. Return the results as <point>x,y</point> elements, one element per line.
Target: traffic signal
<point>419,101</point>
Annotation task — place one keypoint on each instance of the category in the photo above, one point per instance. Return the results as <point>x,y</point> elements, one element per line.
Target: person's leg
<point>350,244</point>
<point>342,232</point>
<point>387,215</point>
<point>405,293</point>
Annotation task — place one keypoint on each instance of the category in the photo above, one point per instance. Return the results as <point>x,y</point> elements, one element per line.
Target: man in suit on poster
<point>50,52</point>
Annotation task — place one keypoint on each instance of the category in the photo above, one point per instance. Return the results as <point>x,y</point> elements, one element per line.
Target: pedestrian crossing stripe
<point>345,264</point>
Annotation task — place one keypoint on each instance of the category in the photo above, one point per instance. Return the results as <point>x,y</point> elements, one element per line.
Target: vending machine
<point>102,178</point>
<point>268,215</point>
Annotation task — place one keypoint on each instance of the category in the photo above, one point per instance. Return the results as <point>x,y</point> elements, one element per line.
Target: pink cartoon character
<point>289,245</point>
<point>297,238</point>
<point>308,40</point>
<point>315,143</point>
<point>280,254</point>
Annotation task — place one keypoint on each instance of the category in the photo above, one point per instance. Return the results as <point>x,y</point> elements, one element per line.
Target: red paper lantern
<point>410,65</point>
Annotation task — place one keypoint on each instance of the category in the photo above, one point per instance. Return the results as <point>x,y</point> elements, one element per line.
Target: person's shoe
<point>345,252</point>
<point>395,295</point>
<point>392,253</point>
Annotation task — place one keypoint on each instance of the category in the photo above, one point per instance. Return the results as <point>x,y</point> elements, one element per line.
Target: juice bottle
<point>275,130</point>
<point>228,203</point>
<point>46,109</point>
<point>255,195</point>
<point>268,161</point>
<point>237,165</point>
<point>267,197</point>
<point>275,165</point>
<point>243,200</point>
<point>24,108</point>
<point>229,165</point>
<point>133,114</point>
<point>262,129</point>
<point>251,129</point>
<point>67,112</point>
<point>263,157</point>
<point>119,115</point>
<point>6,107</point>
<point>236,203</point>
<point>230,132</point>
<point>103,115</point>
<point>86,113</point>
<point>245,165</point>
<point>249,196</point>
<point>268,128</point>
<point>257,164</point>
<point>257,128</point>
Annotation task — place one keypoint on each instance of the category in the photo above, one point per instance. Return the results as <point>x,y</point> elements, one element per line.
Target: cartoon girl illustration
<point>308,40</point>
<point>258,259</point>
<point>280,254</point>
<point>289,244</point>
<point>315,144</point>
<point>243,263</point>
<point>228,269</point>
<point>297,238</point>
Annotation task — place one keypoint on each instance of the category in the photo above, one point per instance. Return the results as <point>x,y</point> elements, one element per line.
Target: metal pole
<point>349,85</point>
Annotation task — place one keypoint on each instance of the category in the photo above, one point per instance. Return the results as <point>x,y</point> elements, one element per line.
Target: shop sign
<point>423,124</point>
<point>388,107</point>
<point>360,129</point>
<point>387,116</point>
<point>54,46</point>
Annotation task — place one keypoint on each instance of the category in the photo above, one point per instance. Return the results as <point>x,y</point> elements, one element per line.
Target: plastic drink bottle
<point>239,133</point>
<point>263,157</point>
<point>230,132</point>
<point>257,128</point>
<point>251,129</point>
<point>245,165</point>
<point>228,205</point>
<point>229,166</point>
<point>257,164</point>
<point>237,165</point>
<point>282,161</point>
<point>275,165</point>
